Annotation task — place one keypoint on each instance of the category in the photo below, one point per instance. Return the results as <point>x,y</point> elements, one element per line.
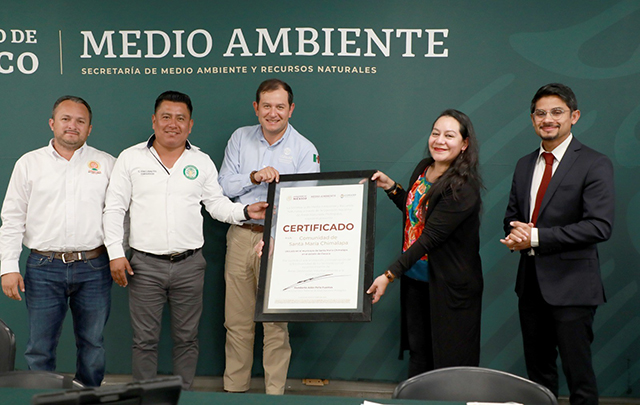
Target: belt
<point>70,257</point>
<point>253,227</point>
<point>173,257</point>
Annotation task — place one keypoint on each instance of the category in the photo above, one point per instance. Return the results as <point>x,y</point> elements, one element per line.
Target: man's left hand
<point>258,248</point>
<point>267,175</point>
<point>257,210</point>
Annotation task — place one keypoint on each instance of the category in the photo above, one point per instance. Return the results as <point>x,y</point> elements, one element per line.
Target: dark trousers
<point>158,282</point>
<point>549,329</point>
<point>418,318</point>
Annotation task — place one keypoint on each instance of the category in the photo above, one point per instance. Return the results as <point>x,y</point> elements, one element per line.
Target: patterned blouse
<point>415,224</point>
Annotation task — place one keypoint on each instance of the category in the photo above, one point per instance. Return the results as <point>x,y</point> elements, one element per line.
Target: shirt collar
<point>152,138</point>
<point>559,150</point>
<point>282,139</point>
<point>55,153</point>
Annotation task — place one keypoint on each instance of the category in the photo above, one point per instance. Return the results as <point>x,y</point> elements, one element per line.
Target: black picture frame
<point>362,311</point>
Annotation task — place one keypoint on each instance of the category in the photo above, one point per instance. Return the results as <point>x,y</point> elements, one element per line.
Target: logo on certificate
<point>190,172</point>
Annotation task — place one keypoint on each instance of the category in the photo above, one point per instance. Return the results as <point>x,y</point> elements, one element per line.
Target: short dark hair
<point>176,97</point>
<point>271,85</point>
<point>556,89</point>
<point>75,99</point>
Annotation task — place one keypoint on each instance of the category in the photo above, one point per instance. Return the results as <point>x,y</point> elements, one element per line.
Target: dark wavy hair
<point>464,168</point>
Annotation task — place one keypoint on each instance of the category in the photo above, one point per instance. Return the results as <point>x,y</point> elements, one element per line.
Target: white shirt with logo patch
<point>163,204</point>
<point>54,204</point>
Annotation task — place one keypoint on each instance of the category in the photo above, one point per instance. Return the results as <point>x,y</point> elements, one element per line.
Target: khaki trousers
<point>242,267</point>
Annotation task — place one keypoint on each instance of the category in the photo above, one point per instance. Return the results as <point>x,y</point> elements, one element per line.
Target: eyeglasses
<point>556,113</point>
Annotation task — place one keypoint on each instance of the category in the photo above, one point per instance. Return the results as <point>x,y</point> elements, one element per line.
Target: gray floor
<point>358,389</point>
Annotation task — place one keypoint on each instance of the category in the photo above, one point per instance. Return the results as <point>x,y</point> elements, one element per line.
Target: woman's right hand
<point>378,287</point>
<point>382,180</point>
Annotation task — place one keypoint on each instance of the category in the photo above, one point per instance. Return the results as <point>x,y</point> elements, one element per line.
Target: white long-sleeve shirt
<point>54,204</point>
<point>164,204</point>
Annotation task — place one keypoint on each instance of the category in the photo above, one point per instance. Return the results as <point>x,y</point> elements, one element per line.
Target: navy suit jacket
<point>576,213</point>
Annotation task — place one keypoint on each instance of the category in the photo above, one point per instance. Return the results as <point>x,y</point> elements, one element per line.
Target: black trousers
<point>549,329</point>
<point>418,318</point>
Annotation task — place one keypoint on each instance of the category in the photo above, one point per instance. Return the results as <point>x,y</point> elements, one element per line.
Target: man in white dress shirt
<point>54,206</point>
<point>162,183</point>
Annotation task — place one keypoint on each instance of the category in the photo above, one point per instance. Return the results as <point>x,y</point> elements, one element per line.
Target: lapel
<point>569,158</point>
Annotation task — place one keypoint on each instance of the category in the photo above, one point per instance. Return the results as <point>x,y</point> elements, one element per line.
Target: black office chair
<point>473,384</point>
<point>37,379</point>
<point>7,348</point>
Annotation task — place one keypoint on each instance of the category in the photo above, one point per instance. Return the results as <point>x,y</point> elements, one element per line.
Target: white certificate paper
<point>317,248</point>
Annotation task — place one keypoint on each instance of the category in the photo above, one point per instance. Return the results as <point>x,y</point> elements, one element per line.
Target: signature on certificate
<point>308,280</point>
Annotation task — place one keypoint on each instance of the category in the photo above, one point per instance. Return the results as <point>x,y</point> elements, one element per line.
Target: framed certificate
<point>317,260</point>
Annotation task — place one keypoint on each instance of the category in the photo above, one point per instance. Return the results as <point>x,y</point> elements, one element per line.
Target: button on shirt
<point>538,171</point>
<point>54,204</point>
<point>164,204</point>
<point>248,150</point>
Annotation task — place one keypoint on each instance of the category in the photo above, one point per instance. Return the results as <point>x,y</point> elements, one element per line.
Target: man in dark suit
<point>561,205</point>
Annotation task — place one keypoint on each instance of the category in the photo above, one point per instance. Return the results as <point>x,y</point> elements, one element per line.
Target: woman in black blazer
<point>441,289</point>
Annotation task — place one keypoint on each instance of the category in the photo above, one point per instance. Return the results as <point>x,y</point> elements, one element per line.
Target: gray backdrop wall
<point>369,77</point>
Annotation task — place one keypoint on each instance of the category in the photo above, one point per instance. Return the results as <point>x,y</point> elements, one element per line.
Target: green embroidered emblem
<point>190,172</point>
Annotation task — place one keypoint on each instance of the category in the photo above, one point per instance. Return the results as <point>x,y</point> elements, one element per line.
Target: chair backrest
<point>37,379</point>
<point>473,384</point>
<point>7,348</point>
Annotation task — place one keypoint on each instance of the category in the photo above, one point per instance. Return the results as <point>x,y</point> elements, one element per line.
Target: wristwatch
<point>252,176</point>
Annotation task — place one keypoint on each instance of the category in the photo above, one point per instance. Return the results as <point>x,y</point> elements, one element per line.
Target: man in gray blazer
<point>560,207</point>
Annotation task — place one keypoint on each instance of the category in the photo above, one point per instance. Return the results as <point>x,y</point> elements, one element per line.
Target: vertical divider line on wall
<point>60,42</point>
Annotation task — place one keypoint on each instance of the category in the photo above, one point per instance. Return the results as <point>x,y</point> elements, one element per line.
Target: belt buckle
<point>176,256</point>
<point>66,260</point>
